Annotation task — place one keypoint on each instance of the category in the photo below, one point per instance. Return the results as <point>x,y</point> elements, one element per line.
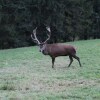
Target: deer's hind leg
<point>78,59</point>
<point>71,60</point>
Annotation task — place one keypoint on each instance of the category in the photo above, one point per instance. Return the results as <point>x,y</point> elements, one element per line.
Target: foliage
<point>68,19</point>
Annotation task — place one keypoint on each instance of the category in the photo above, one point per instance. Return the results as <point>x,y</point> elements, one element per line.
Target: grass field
<point>26,74</point>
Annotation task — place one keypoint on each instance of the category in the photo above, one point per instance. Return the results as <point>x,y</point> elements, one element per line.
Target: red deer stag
<point>56,49</point>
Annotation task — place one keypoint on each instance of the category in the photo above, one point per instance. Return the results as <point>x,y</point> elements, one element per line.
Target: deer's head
<point>42,45</point>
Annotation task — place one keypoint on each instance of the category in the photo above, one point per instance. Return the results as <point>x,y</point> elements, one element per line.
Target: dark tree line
<point>68,19</point>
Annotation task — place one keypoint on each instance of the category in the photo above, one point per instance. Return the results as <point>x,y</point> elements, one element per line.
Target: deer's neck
<point>45,51</point>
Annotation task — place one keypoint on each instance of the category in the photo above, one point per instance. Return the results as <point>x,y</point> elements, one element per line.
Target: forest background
<point>69,20</point>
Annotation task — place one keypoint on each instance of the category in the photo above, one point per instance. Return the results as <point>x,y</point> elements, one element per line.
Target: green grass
<point>26,74</point>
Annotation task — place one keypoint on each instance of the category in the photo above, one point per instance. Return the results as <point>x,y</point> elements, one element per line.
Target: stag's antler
<point>35,38</point>
<point>49,35</point>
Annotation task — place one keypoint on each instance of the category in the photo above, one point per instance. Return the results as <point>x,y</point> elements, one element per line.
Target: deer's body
<point>56,49</point>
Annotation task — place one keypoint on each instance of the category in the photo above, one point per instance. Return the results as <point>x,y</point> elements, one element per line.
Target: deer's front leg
<point>53,60</point>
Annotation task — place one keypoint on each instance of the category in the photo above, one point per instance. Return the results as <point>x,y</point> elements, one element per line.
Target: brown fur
<point>58,49</point>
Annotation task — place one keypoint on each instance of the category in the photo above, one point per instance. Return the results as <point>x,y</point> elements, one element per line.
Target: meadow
<point>26,74</point>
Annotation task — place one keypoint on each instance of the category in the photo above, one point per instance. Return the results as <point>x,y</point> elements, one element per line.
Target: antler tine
<point>49,35</point>
<point>48,28</point>
<point>35,38</point>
